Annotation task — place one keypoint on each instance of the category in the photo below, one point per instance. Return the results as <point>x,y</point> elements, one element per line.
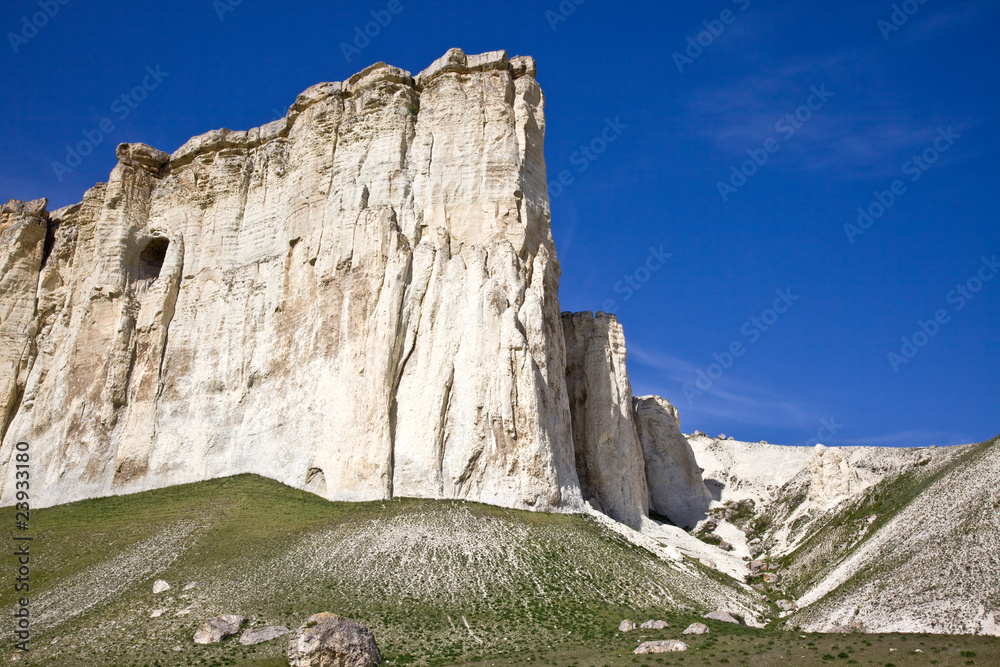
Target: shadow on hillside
<point>714,487</point>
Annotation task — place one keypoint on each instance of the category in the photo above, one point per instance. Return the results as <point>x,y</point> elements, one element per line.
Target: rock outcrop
<point>609,458</point>
<point>661,646</point>
<point>676,488</point>
<point>329,639</point>
<point>24,227</point>
<point>696,629</point>
<point>832,475</point>
<point>359,299</point>
<point>214,630</point>
<point>253,636</point>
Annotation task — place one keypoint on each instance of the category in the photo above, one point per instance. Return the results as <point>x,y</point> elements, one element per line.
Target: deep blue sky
<point>655,185</point>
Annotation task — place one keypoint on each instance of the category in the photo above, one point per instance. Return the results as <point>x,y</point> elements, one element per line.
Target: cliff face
<point>676,487</point>
<point>359,299</point>
<point>609,456</point>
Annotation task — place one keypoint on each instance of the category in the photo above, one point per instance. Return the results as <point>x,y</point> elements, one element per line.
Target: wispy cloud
<point>864,132</point>
<point>729,397</point>
<point>861,136</point>
<point>737,400</point>
<point>947,20</point>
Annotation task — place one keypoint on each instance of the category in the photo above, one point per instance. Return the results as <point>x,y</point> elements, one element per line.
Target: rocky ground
<point>441,580</point>
<point>865,538</point>
<point>857,541</point>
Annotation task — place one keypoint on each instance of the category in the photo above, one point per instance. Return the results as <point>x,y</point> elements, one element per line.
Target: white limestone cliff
<point>359,299</point>
<point>676,488</point>
<point>609,457</point>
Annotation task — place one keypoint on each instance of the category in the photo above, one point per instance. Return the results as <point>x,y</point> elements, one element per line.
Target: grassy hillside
<point>436,581</point>
<point>917,551</point>
<point>440,583</point>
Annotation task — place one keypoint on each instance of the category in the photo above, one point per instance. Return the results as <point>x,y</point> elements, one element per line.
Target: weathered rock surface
<point>23,230</point>
<point>832,475</point>
<point>626,626</point>
<point>252,636</point>
<point>661,646</point>
<point>722,615</point>
<point>359,299</point>
<point>696,629</point>
<point>160,586</point>
<point>214,630</point>
<point>676,488</point>
<point>654,625</point>
<point>328,640</point>
<point>609,456</point>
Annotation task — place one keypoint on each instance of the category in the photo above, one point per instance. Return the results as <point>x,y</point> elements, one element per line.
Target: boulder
<point>758,566</point>
<point>771,578</point>
<point>786,605</point>
<point>725,546</point>
<point>696,629</point>
<point>654,625</point>
<point>214,630</point>
<point>191,584</point>
<point>661,646</point>
<point>159,586</point>
<point>253,636</point>
<point>329,640</point>
<point>724,616</point>
<point>626,626</point>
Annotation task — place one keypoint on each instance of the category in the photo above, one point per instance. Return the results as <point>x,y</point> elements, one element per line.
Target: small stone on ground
<point>661,646</point>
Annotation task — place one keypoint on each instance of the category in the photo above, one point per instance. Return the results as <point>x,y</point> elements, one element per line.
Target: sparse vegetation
<point>534,589</point>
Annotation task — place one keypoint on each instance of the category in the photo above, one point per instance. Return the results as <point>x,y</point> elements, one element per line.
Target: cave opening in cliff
<point>151,258</point>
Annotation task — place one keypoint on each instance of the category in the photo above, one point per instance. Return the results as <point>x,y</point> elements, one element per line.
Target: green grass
<point>536,589</point>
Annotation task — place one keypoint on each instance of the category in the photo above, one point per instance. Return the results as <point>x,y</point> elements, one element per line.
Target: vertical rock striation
<point>609,457</point>
<point>676,488</point>
<point>359,299</point>
<point>23,231</point>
